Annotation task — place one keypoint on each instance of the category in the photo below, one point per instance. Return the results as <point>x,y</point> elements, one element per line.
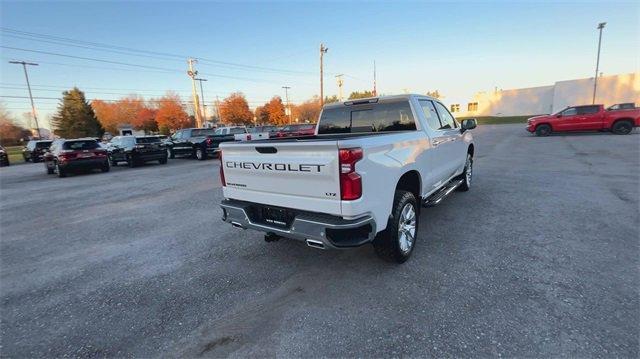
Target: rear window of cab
<point>147,140</point>
<point>377,117</point>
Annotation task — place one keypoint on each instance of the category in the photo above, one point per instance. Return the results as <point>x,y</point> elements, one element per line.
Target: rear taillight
<point>67,155</point>
<point>224,183</point>
<point>209,141</point>
<point>100,153</point>
<point>350,180</point>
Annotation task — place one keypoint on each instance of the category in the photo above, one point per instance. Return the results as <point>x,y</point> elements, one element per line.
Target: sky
<point>457,48</point>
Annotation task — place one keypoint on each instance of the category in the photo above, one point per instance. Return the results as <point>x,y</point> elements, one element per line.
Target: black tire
<point>131,161</point>
<point>163,161</point>
<point>623,127</point>
<point>543,130</point>
<point>50,170</point>
<point>200,154</point>
<point>112,163</point>
<point>61,173</point>
<point>170,153</point>
<point>105,167</point>
<point>388,244</point>
<point>467,174</point>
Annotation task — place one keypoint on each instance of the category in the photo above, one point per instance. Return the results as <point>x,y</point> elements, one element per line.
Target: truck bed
<point>324,137</point>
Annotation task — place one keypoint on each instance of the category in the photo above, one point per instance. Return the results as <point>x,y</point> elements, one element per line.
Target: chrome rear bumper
<point>313,228</point>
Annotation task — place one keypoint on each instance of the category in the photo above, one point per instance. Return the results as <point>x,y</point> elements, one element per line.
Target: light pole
<point>204,109</point>
<point>26,76</point>
<point>196,104</point>
<point>286,94</point>
<point>595,79</point>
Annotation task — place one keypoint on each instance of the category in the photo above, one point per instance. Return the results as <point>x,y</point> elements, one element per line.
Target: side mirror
<point>558,115</point>
<point>469,124</point>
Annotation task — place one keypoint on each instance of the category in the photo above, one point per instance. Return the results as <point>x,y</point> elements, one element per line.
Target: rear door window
<point>147,140</point>
<point>587,110</point>
<point>43,144</point>
<point>430,114</point>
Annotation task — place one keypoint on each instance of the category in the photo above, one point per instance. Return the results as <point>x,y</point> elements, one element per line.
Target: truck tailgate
<point>300,175</point>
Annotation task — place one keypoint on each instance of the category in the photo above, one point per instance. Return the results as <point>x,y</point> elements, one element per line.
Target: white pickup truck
<point>362,178</point>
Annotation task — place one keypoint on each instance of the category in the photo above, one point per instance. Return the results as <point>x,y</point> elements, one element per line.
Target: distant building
<point>549,99</point>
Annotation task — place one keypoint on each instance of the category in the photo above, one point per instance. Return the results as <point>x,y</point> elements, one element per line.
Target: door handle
<point>436,143</point>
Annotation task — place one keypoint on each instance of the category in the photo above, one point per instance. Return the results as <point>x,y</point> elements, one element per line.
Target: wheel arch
<point>544,123</point>
<point>626,119</point>
<point>412,182</point>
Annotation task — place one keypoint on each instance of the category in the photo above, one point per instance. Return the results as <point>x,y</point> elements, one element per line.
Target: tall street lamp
<point>595,79</point>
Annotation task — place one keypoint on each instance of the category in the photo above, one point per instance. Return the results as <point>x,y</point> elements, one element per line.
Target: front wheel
<point>397,241</point>
<point>201,155</point>
<point>543,130</point>
<point>163,161</point>
<point>170,153</point>
<point>131,161</point>
<point>622,127</point>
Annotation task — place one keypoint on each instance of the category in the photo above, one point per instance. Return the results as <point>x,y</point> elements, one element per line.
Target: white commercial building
<point>549,99</point>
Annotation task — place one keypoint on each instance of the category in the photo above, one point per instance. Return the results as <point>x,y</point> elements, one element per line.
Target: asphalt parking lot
<point>540,258</point>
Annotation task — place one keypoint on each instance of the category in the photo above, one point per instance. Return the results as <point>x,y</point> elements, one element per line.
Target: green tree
<point>357,94</point>
<point>75,117</point>
<point>330,99</point>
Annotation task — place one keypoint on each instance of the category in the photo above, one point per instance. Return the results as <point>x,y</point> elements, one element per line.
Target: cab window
<point>447,121</point>
<point>569,112</point>
<point>588,110</point>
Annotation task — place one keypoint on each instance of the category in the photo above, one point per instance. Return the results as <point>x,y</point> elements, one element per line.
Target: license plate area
<point>272,216</point>
<point>85,155</point>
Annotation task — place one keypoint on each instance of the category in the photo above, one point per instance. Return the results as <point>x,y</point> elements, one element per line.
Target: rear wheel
<point>61,172</point>
<point>543,130</point>
<point>622,127</point>
<point>467,174</point>
<point>50,170</point>
<point>397,241</point>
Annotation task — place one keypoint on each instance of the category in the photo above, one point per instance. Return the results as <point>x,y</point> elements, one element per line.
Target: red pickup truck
<point>619,119</point>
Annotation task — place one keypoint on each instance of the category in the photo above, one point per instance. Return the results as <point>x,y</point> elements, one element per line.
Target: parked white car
<point>362,178</point>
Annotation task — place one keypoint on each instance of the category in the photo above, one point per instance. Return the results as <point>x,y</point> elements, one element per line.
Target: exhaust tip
<point>237,225</point>
<point>315,244</point>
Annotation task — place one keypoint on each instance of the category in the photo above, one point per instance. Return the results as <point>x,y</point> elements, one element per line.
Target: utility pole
<point>26,76</point>
<point>340,83</point>
<point>595,79</point>
<point>323,50</point>
<point>218,109</point>
<point>375,91</point>
<point>286,94</point>
<point>196,104</point>
<point>204,109</point>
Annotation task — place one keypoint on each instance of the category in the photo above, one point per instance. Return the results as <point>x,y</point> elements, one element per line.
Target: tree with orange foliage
<point>275,109</point>
<point>124,111</point>
<point>146,120</point>
<point>170,114</point>
<point>235,110</point>
<point>308,111</point>
<point>262,116</point>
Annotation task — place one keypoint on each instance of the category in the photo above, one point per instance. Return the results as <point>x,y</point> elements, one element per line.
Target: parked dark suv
<point>65,156</point>
<point>4,157</point>
<point>34,150</point>
<point>136,150</point>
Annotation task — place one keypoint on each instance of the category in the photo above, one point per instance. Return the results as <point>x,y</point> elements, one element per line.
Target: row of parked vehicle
<point>62,156</point>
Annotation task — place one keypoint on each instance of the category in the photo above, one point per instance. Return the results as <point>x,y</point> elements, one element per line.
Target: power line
<point>137,52</point>
<point>128,64</point>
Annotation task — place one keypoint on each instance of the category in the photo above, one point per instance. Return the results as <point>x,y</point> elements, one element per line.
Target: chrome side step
<point>441,194</point>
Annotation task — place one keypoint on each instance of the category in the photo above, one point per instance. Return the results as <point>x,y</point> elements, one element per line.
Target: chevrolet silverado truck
<point>620,119</point>
<point>362,178</point>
